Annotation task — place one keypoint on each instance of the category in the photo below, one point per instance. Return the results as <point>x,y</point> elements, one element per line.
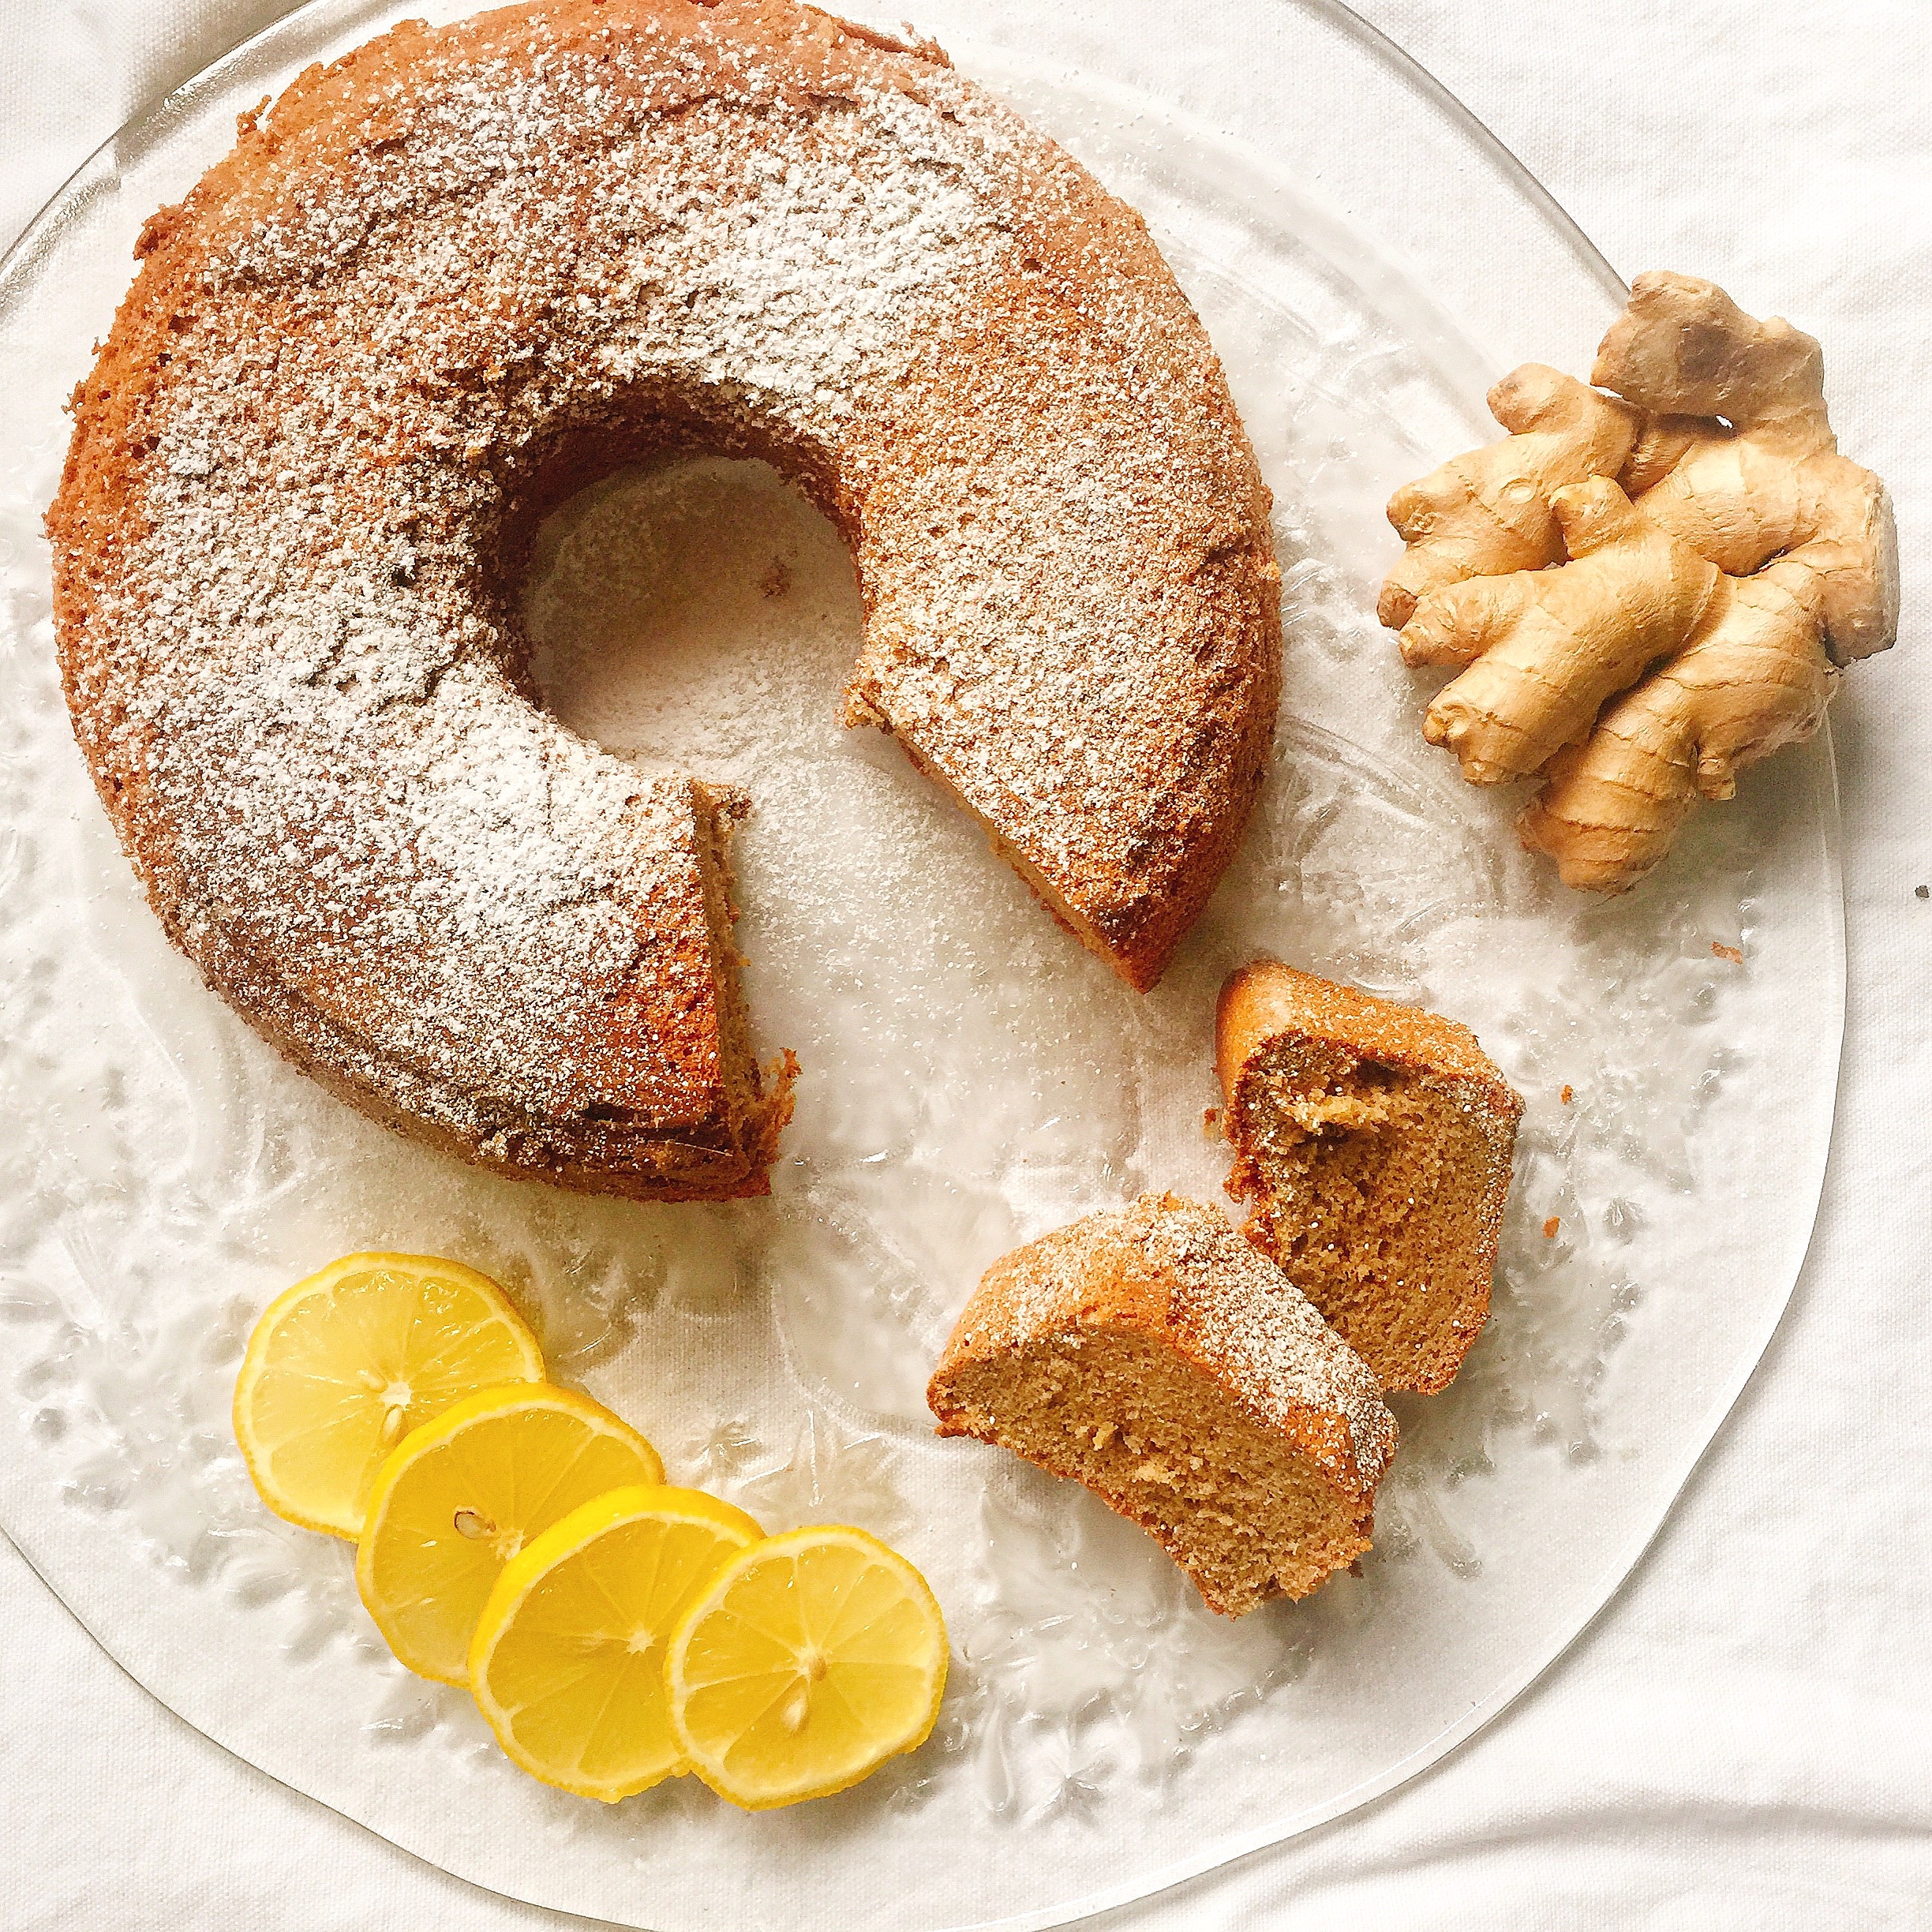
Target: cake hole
<point>697,616</point>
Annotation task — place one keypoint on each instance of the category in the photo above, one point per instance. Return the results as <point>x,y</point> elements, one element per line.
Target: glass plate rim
<point>17,264</point>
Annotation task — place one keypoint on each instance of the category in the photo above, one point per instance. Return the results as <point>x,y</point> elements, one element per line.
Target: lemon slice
<point>567,1660</point>
<point>459,1497</point>
<point>344,1364</point>
<point>810,1659</point>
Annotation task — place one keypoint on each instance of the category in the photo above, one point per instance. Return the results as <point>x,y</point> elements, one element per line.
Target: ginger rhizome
<point>1644,590</point>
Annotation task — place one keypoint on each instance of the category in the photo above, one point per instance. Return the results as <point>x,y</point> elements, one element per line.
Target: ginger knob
<point>1645,590</point>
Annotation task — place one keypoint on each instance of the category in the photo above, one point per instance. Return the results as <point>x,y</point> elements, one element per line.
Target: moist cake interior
<point>1244,1513</point>
<point>1372,1181</point>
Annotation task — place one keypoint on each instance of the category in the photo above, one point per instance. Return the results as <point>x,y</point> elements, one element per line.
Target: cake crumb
<point>1734,954</point>
<point>1551,1225</point>
<point>1210,1121</point>
<point>1567,1094</point>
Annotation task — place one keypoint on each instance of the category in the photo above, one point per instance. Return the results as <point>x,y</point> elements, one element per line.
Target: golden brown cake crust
<point>1413,1325</point>
<point>463,272</point>
<point>1179,1276</point>
<point>1268,999</point>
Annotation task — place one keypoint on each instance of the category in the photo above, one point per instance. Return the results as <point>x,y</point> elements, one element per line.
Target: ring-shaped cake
<point>459,274</point>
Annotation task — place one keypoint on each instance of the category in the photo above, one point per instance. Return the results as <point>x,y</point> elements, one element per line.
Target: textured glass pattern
<point>970,1079</point>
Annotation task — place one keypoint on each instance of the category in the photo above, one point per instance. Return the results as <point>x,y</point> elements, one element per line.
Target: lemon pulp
<point>566,1663</point>
<point>460,1496</point>
<point>808,1660</point>
<point>345,1364</point>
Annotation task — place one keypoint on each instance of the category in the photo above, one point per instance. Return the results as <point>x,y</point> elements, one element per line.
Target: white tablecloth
<point>1741,1740</point>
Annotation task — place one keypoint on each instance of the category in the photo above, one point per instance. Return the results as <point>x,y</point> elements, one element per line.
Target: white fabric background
<point>1742,1739</point>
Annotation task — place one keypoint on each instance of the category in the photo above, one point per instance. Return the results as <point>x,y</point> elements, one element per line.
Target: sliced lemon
<point>459,1497</point>
<point>567,1660</point>
<point>808,1660</point>
<point>344,1364</point>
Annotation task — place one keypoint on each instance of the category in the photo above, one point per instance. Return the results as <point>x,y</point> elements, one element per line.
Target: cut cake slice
<point>1153,1355</point>
<point>1373,1142</point>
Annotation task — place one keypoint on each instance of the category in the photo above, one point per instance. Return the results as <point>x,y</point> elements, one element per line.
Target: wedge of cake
<point>1153,1355</point>
<point>1373,1143</point>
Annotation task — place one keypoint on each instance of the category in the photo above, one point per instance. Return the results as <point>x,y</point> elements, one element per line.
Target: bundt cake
<point>459,275</point>
<point>1374,1142</point>
<point>1153,1355</point>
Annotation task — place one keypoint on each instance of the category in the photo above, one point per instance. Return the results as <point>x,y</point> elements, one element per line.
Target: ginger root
<point>1644,591</point>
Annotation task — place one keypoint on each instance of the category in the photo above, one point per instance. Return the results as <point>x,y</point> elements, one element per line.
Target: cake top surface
<point>371,310</point>
<point>1239,1311</point>
<point>362,354</point>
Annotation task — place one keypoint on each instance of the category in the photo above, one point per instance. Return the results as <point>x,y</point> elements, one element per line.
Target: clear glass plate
<point>1367,258</point>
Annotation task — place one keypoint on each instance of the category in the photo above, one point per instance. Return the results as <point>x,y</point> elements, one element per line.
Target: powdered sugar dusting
<point>369,829</point>
<point>1248,1316</point>
<point>455,274</point>
<point>464,271</point>
<point>1227,1301</point>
